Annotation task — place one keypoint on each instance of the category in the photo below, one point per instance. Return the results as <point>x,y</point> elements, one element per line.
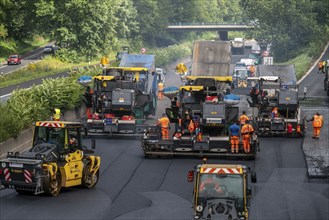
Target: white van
<point>160,75</point>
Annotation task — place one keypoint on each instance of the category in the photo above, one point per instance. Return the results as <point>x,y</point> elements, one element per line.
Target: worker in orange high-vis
<point>164,123</point>
<point>243,118</point>
<point>247,130</point>
<point>160,90</point>
<point>317,125</point>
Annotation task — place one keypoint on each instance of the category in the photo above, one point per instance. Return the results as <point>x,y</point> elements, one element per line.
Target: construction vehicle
<point>279,113</point>
<point>237,46</point>
<point>211,58</point>
<point>201,106</point>
<point>124,97</point>
<point>240,75</point>
<point>221,191</point>
<point>56,160</point>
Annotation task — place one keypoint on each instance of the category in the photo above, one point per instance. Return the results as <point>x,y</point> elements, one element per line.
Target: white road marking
<point>3,66</point>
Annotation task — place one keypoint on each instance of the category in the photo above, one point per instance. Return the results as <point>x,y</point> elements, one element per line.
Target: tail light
<point>298,129</point>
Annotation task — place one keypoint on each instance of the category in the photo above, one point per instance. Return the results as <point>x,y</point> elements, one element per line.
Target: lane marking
<point>3,66</point>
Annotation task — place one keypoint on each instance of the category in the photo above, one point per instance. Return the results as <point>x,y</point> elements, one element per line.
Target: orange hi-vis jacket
<point>247,129</point>
<point>164,122</point>
<point>160,86</point>
<point>243,119</point>
<point>317,121</point>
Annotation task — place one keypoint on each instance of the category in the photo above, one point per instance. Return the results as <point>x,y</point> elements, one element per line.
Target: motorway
<point>132,187</point>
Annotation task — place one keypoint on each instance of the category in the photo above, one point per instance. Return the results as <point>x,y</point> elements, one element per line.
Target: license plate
<point>17,165</point>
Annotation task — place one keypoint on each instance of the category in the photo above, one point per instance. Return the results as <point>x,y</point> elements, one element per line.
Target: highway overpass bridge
<point>222,29</point>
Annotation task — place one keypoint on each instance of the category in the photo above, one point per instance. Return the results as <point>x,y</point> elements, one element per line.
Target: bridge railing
<point>206,23</point>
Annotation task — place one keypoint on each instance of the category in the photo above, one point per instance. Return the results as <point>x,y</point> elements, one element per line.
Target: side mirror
<point>190,176</point>
<point>93,143</point>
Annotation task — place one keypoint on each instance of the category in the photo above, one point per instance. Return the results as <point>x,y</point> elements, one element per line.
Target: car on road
<point>14,59</point>
<point>49,49</point>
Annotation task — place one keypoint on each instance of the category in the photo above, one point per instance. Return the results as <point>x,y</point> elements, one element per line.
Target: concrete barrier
<point>24,140</point>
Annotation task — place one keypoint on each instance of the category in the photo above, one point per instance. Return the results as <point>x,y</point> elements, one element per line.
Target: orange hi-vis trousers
<point>165,133</point>
<point>235,144</point>
<point>160,95</point>
<point>246,143</point>
<point>316,132</point>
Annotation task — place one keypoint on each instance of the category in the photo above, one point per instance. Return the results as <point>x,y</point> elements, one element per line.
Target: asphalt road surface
<point>132,187</point>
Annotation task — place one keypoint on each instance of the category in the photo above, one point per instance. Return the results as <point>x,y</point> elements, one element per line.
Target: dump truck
<point>124,97</point>
<point>57,159</point>
<point>211,58</point>
<point>237,46</point>
<point>221,191</point>
<point>279,112</point>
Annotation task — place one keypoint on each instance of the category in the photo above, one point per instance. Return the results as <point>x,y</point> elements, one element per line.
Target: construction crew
<point>274,112</point>
<point>243,118</point>
<point>252,70</point>
<point>235,129</point>
<point>317,125</point>
<point>247,130</point>
<point>160,90</point>
<point>164,123</point>
<point>88,101</point>
<point>210,181</point>
<point>320,66</point>
<point>57,114</point>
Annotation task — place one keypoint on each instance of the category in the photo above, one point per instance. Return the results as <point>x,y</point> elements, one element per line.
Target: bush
<point>37,103</point>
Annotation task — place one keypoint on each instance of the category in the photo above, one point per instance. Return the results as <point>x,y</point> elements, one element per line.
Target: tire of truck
<point>53,187</point>
<point>89,180</point>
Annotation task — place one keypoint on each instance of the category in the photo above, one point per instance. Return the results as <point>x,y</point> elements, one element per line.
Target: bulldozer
<point>56,160</point>
<point>221,191</point>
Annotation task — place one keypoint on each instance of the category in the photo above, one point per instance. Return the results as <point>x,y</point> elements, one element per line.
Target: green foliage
<point>288,25</point>
<point>10,126</point>
<point>37,103</point>
<point>172,53</point>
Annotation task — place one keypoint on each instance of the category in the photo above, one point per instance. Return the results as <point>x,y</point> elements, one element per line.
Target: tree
<point>288,25</point>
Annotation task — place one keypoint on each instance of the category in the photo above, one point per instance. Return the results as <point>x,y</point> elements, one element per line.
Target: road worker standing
<point>164,123</point>
<point>234,130</point>
<point>243,118</point>
<point>247,130</point>
<point>160,90</point>
<point>57,114</point>
<point>317,125</point>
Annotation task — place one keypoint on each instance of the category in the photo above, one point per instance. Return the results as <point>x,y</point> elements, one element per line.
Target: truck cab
<point>221,191</point>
